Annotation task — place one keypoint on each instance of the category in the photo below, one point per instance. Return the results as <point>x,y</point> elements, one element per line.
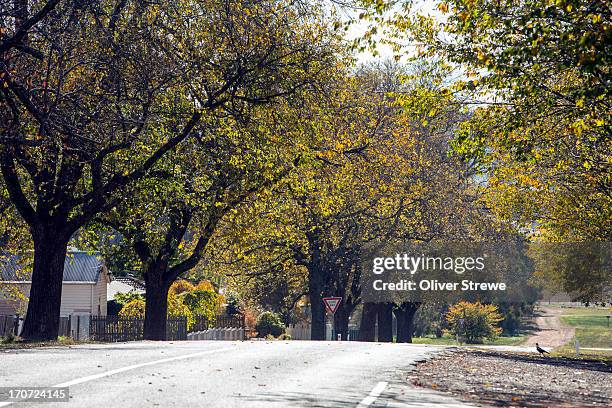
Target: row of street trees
<point>147,117</point>
<point>240,139</point>
<point>381,174</point>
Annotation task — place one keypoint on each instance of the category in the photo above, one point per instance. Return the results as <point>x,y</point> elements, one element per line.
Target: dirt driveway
<point>552,332</point>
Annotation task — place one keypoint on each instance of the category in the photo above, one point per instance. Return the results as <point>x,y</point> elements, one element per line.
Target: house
<point>124,284</point>
<point>83,289</point>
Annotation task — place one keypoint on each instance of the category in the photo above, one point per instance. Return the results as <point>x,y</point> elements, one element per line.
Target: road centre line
<point>131,367</point>
<point>373,395</point>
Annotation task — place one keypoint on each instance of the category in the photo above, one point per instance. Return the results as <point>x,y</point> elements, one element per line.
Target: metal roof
<point>79,266</point>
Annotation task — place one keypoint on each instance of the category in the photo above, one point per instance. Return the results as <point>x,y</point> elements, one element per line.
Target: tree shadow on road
<point>559,362</point>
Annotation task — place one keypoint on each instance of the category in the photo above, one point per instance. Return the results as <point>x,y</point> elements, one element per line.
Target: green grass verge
<point>450,341</point>
<point>586,311</point>
<point>591,330</point>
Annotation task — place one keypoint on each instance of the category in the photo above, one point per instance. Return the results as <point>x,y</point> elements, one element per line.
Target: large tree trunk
<point>156,309</point>
<point>367,328</point>
<point>341,321</point>
<point>405,321</point>
<point>317,308</point>
<point>43,315</point>
<point>385,322</point>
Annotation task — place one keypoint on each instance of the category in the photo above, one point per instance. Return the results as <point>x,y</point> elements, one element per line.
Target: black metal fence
<point>218,322</point>
<point>115,328</point>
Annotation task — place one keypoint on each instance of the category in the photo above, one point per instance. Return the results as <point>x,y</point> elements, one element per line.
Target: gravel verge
<point>490,378</point>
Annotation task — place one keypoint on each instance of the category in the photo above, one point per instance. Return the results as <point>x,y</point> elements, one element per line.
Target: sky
<point>384,51</point>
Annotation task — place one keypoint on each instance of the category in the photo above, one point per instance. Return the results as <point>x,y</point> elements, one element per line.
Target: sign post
<point>331,305</point>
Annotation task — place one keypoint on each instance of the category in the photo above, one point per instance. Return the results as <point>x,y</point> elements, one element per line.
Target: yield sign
<point>332,303</point>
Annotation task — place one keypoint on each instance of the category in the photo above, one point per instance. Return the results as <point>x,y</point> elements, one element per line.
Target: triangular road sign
<point>332,303</point>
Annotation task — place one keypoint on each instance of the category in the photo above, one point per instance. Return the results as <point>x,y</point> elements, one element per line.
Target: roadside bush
<point>180,286</point>
<point>176,308</point>
<point>284,336</point>
<point>66,340</point>
<point>429,320</point>
<point>233,304</point>
<point>203,300</point>
<point>205,285</point>
<point>9,338</point>
<point>134,309</point>
<point>125,298</point>
<point>269,323</point>
<point>473,322</point>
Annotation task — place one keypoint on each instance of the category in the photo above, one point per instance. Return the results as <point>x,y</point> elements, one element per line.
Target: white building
<point>83,290</point>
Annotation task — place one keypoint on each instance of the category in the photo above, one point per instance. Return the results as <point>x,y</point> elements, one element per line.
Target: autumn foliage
<point>473,322</point>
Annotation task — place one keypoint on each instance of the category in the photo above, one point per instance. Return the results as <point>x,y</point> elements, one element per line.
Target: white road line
<point>132,367</point>
<point>375,393</point>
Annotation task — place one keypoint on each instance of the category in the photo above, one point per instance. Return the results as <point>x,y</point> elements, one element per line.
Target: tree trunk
<point>405,321</point>
<point>385,322</point>
<point>43,315</point>
<point>341,321</point>
<point>368,322</point>
<point>156,309</point>
<point>317,308</point>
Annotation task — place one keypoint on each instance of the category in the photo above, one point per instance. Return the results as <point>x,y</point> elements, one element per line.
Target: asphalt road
<point>225,374</point>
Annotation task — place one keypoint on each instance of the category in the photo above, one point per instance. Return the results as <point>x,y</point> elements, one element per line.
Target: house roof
<point>79,266</point>
<point>116,286</point>
<point>130,281</point>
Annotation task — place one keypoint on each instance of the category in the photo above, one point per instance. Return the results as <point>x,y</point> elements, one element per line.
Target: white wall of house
<point>77,298</point>
<point>99,294</point>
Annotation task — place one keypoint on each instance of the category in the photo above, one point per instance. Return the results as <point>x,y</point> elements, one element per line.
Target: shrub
<point>125,298</point>
<point>201,302</point>
<point>284,336</point>
<point>9,338</point>
<point>176,308</point>
<point>473,322</point>
<point>205,285</point>
<point>134,309</point>
<point>66,340</point>
<point>233,304</point>
<point>180,286</point>
<point>269,323</point>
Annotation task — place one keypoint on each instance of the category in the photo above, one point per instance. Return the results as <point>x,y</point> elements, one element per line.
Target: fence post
<point>78,330</point>
<point>16,325</point>
<point>243,325</point>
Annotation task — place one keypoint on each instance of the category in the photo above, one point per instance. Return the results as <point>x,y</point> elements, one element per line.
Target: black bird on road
<point>541,350</point>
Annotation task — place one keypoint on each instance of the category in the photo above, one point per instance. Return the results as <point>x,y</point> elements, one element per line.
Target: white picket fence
<point>299,332</point>
<point>302,331</point>
<point>232,333</point>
